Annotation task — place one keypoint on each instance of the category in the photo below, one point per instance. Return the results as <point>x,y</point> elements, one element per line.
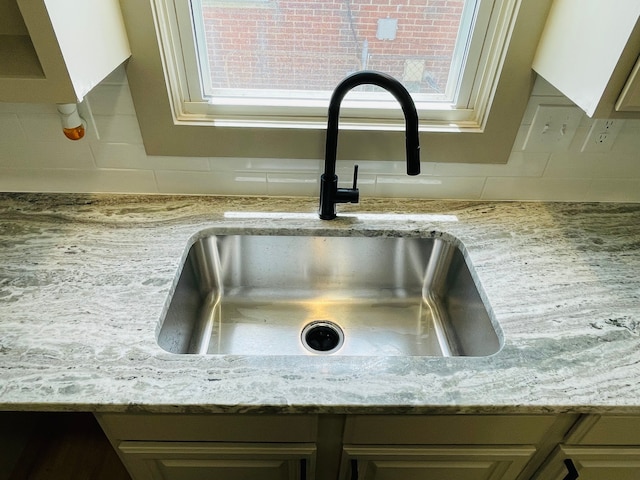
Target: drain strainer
<point>322,336</point>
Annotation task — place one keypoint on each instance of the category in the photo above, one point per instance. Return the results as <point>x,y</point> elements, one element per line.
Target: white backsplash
<point>36,157</point>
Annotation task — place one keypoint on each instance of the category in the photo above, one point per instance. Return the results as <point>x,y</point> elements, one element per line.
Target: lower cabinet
<point>593,463</point>
<point>451,463</point>
<point>361,447</point>
<point>597,448</point>
<point>212,447</point>
<point>444,447</point>
<point>228,461</point>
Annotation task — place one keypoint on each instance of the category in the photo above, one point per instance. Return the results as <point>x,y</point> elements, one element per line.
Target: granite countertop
<point>84,280</point>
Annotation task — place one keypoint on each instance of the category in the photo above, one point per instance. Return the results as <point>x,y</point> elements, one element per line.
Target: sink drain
<point>322,336</point>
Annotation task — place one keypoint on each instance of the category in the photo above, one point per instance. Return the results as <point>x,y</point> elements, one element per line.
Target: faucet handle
<point>355,177</point>
<point>347,195</point>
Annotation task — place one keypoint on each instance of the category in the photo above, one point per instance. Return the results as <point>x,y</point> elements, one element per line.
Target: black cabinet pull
<point>303,469</point>
<point>354,469</point>
<point>573,473</point>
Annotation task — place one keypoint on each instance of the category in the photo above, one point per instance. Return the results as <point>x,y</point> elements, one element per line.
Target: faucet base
<point>328,189</point>
<point>330,194</point>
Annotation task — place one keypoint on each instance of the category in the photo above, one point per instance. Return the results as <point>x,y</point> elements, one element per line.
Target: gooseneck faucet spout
<point>330,194</point>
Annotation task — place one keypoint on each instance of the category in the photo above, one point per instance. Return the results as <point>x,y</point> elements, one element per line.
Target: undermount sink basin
<point>319,295</point>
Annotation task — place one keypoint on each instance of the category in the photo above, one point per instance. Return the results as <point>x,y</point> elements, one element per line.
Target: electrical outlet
<point>602,135</point>
<point>553,128</point>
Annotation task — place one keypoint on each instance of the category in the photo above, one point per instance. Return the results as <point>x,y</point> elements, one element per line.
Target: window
<point>284,57</point>
<point>253,77</point>
<point>250,59</point>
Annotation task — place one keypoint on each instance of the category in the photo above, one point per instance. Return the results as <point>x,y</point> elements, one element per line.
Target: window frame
<point>488,138</point>
<point>307,109</point>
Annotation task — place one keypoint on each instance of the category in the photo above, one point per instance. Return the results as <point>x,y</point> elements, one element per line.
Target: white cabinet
<point>446,447</point>
<point>594,463</point>
<point>56,51</point>
<point>208,460</point>
<point>606,447</point>
<point>444,463</point>
<point>212,447</point>
<point>330,447</point>
<point>589,50</point>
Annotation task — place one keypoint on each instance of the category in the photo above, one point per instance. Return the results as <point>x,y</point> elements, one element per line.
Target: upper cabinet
<point>590,50</point>
<point>56,51</point>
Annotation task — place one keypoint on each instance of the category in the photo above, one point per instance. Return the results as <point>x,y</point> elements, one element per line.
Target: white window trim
<point>484,137</point>
<point>306,109</point>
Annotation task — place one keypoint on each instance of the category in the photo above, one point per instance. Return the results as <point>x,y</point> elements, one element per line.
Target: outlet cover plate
<point>553,128</point>
<point>602,135</point>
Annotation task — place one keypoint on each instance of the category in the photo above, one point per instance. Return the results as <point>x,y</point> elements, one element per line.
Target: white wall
<point>35,156</point>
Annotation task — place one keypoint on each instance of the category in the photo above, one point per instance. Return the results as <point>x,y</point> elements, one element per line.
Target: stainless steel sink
<point>319,295</point>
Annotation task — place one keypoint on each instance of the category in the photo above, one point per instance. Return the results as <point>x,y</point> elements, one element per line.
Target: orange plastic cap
<point>75,133</point>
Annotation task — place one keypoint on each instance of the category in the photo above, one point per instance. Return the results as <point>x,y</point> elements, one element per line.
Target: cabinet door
<point>593,463</point>
<point>572,56</point>
<point>629,100</point>
<point>442,463</point>
<point>213,461</point>
<point>56,51</point>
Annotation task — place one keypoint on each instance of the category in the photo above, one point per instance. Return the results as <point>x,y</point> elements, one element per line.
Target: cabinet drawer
<point>447,429</point>
<point>212,428</point>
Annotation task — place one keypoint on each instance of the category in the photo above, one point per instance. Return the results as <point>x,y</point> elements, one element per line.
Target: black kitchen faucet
<point>330,194</point>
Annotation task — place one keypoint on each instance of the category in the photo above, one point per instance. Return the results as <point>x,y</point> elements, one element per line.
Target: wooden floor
<point>68,446</point>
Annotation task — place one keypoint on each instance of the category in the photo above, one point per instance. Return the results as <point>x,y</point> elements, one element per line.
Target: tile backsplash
<point>36,157</point>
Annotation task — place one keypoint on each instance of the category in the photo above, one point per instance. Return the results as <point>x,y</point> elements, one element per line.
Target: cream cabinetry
<point>448,447</point>
<point>589,50</point>
<point>599,447</point>
<point>330,447</point>
<point>204,461</point>
<point>452,463</point>
<point>56,51</point>
<point>229,447</point>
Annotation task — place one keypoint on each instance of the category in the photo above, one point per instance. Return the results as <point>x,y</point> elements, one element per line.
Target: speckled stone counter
<point>84,280</point>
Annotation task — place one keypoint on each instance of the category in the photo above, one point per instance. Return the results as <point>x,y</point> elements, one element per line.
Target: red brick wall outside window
<point>312,45</point>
